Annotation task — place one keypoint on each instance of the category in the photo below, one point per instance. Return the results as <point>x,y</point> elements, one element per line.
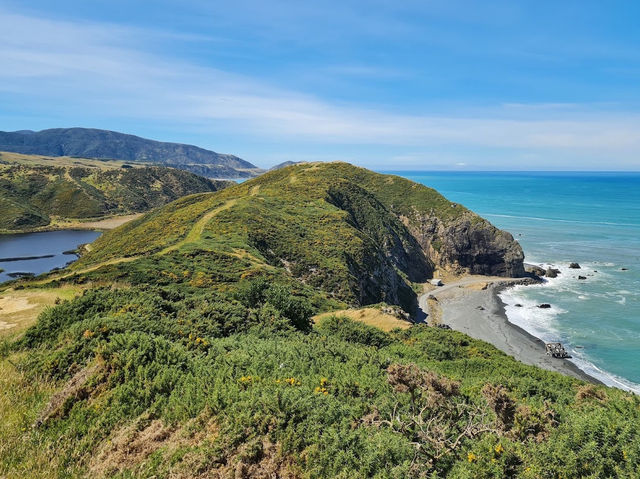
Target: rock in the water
<point>535,270</point>
<point>582,277</point>
<point>624,269</point>
<point>552,273</point>
<point>574,266</point>
<point>544,306</point>
<point>518,305</point>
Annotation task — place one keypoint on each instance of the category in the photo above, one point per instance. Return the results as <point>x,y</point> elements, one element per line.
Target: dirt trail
<point>197,230</point>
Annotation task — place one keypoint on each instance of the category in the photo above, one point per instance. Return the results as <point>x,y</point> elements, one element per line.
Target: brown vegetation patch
<point>129,447</point>
<point>74,390</point>
<point>371,316</point>
<point>591,392</point>
<point>260,459</point>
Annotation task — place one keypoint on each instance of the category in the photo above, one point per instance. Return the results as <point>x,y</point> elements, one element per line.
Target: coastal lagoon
<point>559,218</point>
<point>38,253</point>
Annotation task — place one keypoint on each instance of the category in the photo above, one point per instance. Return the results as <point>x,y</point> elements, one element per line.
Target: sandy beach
<point>471,305</point>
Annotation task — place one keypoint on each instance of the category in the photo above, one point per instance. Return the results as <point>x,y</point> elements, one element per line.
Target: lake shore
<point>471,305</point>
<point>102,224</point>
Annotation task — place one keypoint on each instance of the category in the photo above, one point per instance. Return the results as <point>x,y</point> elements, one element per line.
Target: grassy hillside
<point>34,191</point>
<point>336,228</point>
<point>198,357</point>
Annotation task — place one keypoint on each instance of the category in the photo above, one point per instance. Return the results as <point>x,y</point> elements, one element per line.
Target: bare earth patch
<point>103,224</point>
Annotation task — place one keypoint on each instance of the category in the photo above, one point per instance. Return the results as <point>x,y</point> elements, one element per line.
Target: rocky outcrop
<point>552,273</point>
<point>534,270</point>
<point>469,244</point>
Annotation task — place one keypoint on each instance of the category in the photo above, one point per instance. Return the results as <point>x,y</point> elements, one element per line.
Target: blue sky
<point>385,84</point>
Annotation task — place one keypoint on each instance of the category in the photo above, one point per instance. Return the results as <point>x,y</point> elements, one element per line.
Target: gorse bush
<point>200,359</point>
<point>340,400</point>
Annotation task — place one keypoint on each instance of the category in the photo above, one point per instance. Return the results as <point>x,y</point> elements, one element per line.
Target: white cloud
<point>106,68</point>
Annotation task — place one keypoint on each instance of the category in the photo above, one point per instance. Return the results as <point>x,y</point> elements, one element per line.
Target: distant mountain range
<point>92,143</point>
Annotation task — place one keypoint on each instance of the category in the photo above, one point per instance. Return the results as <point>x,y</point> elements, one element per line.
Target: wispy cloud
<point>107,68</point>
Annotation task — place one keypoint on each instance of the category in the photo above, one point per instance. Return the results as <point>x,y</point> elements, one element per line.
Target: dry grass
<point>107,223</point>
<point>19,309</point>
<point>371,316</point>
<point>20,401</point>
<point>43,160</point>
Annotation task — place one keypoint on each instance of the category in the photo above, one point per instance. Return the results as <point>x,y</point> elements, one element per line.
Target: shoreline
<point>472,305</point>
<point>100,224</point>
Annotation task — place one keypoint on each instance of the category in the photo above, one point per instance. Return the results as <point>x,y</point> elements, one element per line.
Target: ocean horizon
<point>560,217</point>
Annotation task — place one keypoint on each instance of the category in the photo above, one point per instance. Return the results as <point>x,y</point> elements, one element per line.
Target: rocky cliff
<point>468,244</point>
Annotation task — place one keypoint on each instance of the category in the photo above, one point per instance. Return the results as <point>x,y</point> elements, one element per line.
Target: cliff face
<point>468,244</point>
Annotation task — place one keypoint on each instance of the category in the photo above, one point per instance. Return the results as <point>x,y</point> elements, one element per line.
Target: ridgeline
<point>112,145</point>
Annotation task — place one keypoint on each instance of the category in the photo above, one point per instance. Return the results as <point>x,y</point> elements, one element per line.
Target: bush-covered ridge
<point>182,382</point>
<point>343,230</point>
<point>33,193</point>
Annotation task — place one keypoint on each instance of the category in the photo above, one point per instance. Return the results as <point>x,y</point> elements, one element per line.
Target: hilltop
<point>105,144</point>
<point>358,236</point>
<point>187,343</point>
<point>44,192</point>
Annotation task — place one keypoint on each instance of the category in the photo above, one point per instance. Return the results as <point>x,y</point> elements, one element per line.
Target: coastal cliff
<point>469,244</point>
<point>357,236</point>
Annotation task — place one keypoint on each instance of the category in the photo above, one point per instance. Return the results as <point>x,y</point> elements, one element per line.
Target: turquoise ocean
<point>559,218</point>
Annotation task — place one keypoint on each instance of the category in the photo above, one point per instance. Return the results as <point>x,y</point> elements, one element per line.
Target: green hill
<point>37,192</point>
<point>358,236</point>
<point>191,351</point>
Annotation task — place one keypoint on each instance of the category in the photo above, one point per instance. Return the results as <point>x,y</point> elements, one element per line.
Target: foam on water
<point>543,323</point>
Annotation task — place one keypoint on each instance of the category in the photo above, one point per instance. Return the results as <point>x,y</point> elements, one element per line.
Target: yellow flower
<point>499,449</point>
<point>471,457</point>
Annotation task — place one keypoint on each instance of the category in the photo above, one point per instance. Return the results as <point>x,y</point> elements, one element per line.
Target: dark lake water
<point>48,246</point>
